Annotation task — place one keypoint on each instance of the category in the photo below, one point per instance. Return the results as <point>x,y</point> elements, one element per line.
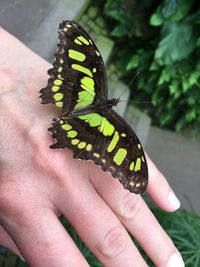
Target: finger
<point>138,219</point>
<point>44,242</point>
<point>6,241</point>
<point>98,226</point>
<point>159,189</point>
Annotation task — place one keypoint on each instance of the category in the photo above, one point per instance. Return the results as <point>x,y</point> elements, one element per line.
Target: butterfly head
<point>107,104</point>
<point>114,101</point>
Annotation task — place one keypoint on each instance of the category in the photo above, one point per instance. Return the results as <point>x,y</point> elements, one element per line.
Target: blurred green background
<point>157,41</point>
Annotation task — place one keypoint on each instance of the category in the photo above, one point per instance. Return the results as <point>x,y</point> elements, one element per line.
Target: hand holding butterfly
<point>38,184</point>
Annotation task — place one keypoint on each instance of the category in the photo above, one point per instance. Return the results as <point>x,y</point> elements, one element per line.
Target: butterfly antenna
<point>132,101</point>
<point>134,77</point>
<point>138,102</point>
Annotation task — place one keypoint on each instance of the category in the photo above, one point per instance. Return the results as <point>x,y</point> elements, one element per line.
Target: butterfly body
<point>103,106</point>
<point>88,125</point>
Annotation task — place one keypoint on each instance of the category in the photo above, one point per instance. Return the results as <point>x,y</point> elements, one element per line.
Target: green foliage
<point>160,40</point>
<point>171,11</point>
<point>177,43</point>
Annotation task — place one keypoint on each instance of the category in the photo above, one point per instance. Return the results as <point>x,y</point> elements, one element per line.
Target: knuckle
<point>38,146</point>
<point>9,206</point>
<point>34,138</point>
<point>114,242</point>
<point>129,206</point>
<point>13,211</point>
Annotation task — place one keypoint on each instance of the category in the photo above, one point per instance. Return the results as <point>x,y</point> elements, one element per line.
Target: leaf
<point>156,98</point>
<point>164,77</point>
<point>133,63</point>
<point>186,84</point>
<point>171,11</point>
<point>165,118</point>
<point>173,88</point>
<point>170,103</point>
<point>191,114</point>
<point>119,31</point>
<point>194,76</point>
<point>156,20</point>
<point>177,43</point>
<point>175,10</point>
<point>154,66</point>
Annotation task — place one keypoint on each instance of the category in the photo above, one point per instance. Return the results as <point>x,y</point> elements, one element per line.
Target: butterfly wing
<point>78,75</point>
<point>109,141</point>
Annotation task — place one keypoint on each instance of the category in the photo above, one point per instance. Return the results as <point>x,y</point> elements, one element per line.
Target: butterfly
<point>88,125</point>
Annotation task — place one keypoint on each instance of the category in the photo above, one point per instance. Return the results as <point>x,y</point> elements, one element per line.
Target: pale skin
<point>38,184</point>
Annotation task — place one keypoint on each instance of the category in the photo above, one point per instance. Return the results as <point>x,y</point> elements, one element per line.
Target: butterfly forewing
<point>78,75</point>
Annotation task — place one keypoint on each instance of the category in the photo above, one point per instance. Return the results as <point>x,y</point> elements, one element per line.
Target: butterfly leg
<point>66,116</point>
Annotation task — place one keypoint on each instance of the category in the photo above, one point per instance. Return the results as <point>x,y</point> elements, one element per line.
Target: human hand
<point>38,184</point>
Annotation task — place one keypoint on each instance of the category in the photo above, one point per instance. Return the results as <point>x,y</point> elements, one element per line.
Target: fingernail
<point>21,257</point>
<point>173,200</point>
<point>175,260</point>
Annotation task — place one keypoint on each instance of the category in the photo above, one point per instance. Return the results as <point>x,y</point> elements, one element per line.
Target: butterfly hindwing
<point>107,140</point>
<point>78,75</point>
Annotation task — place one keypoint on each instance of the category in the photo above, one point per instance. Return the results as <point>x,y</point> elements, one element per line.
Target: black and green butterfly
<point>87,125</point>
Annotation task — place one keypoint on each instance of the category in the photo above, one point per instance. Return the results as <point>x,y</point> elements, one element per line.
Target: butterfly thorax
<point>102,105</point>
<point>106,103</point>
